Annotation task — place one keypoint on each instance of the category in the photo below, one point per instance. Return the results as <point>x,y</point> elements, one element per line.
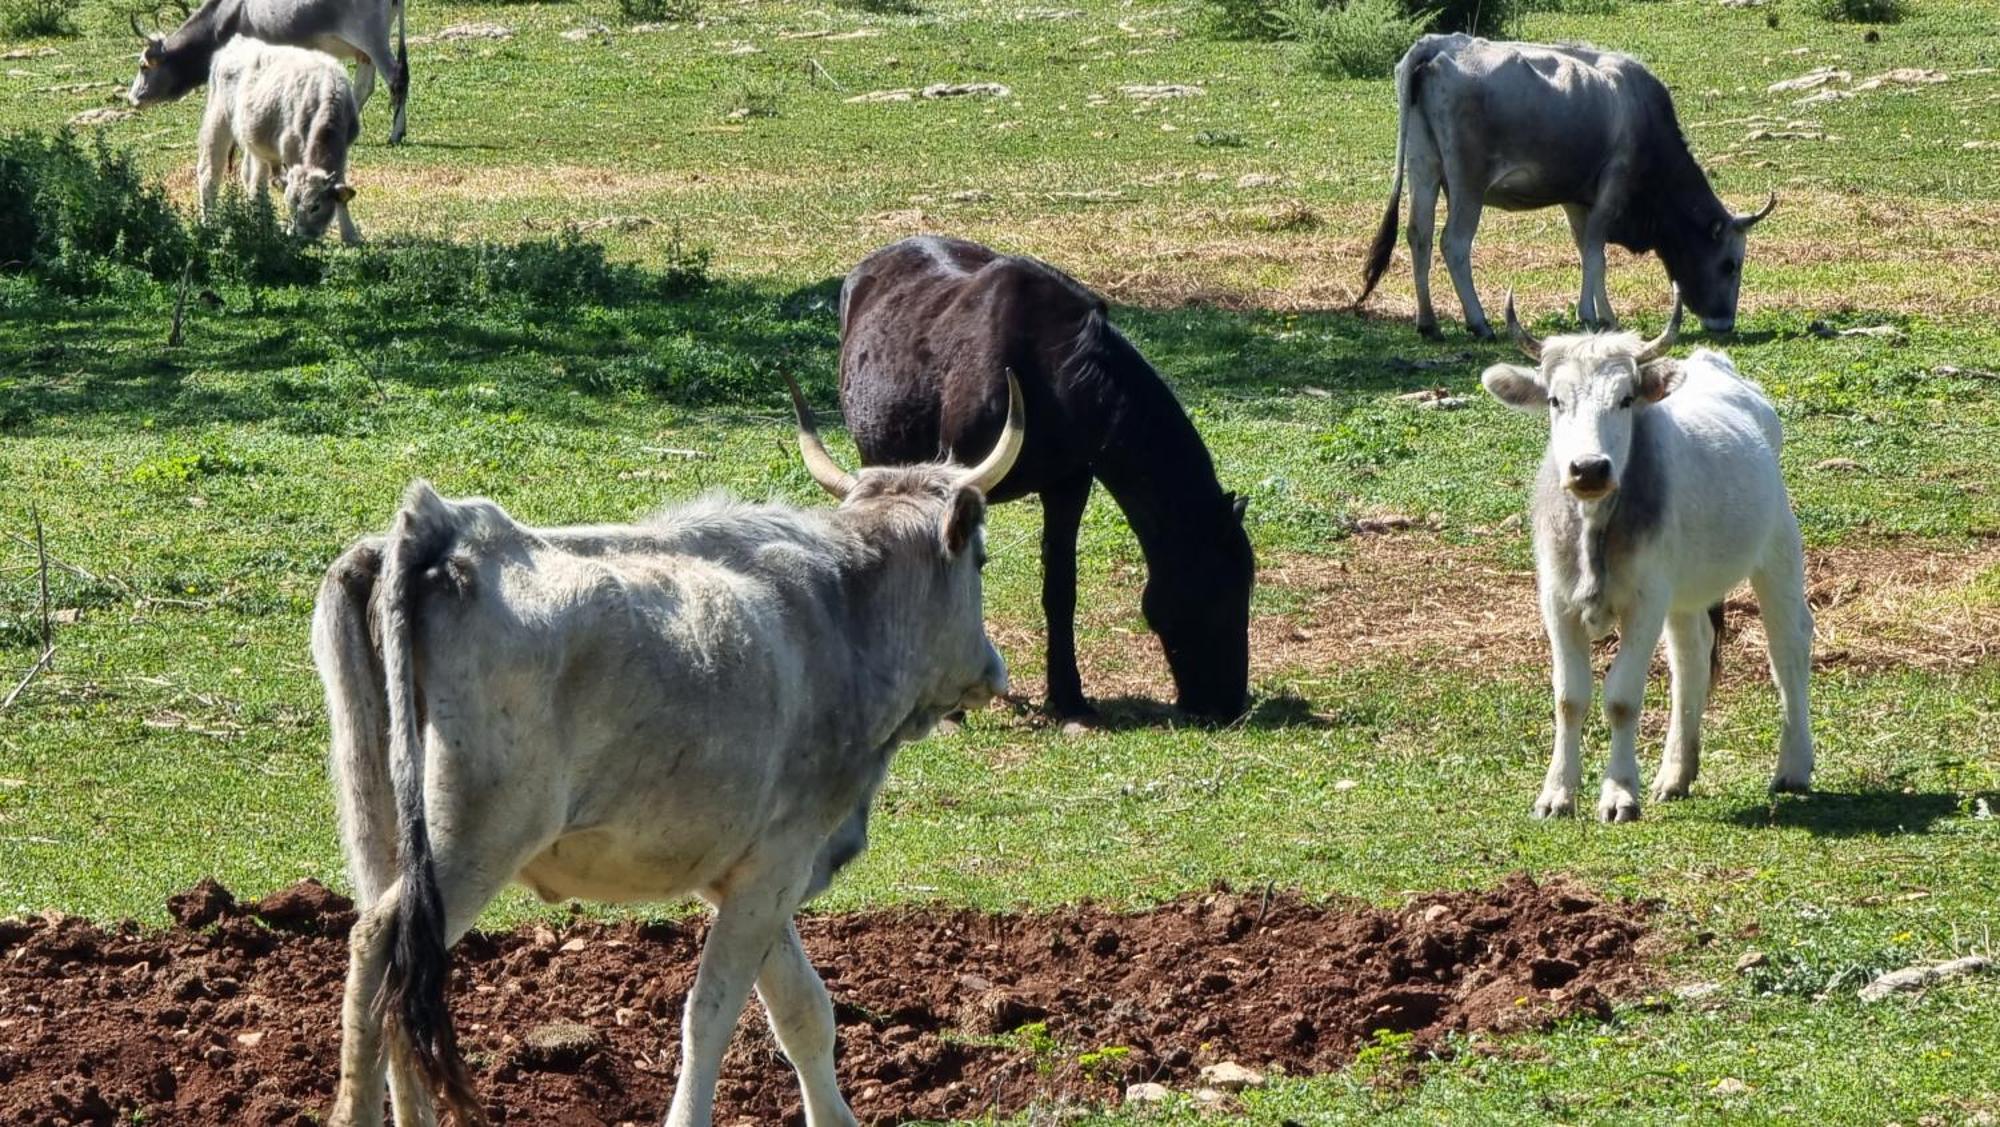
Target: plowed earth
<point>231,1016</point>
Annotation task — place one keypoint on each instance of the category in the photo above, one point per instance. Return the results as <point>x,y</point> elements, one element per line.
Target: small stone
<point>1731,1086</point>
<point>1230,1076</point>
<point>1436,913</point>
<point>1256,180</point>
<point>250,1040</point>
<point>1210,1098</point>
<point>1751,960</point>
<point>1345,785</point>
<point>1148,1094</point>
<point>573,946</point>
<point>1696,991</point>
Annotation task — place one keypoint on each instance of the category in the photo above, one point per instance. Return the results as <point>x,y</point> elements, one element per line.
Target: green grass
<point>205,488</point>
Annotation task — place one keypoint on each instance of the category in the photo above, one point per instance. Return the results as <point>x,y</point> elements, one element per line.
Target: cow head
<point>164,73</point>
<point>314,197</point>
<point>1198,602</point>
<point>1707,266</point>
<point>1590,385</point>
<point>929,523</point>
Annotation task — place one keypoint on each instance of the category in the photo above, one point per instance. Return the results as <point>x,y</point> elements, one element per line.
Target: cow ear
<point>1238,505</point>
<point>343,193</point>
<point>1658,379</point>
<point>1517,387</point>
<point>961,525</point>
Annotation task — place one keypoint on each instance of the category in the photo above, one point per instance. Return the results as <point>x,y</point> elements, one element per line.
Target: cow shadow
<point>1282,711</point>
<point>1836,814</point>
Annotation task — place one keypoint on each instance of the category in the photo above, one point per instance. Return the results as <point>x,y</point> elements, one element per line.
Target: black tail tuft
<point>1381,249</point>
<point>1715,646</point>
<point>414,997</point>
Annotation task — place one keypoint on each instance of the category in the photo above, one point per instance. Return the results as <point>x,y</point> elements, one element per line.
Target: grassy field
<point>1402,715</point>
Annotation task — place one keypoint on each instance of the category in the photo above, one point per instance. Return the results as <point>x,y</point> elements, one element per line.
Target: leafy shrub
<point>1350,39</point>
<point>1241,19</point>
<point>557,272</point>
<point>243,241</point>
<point>75,215</point>
<point>35,19</point>
<point>1860,11</point>
<point>1308,21</point>
<point>1491,18</point>
<point>659,11</point>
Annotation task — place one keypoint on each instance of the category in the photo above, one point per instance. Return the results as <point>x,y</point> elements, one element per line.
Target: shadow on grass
<point>1267,713</point>
<point>1862,814</point>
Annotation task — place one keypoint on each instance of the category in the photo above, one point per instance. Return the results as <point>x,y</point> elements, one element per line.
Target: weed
<point>660,11</point>
<point>1351,39</point>
<point>1220,139</point>
<point>37,19</point>
<point>1860,11</point>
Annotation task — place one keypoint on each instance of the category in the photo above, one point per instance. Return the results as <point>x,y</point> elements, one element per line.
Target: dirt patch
<point>1409,597</point>
<point>236,1022</point>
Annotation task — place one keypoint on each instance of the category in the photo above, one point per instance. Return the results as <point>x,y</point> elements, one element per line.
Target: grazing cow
<point>1522,126</point>
<point>929,326</point>
<point>172,66</point>
<point>702,702</point>
<point>1659,492</point>
<point>290,114</point>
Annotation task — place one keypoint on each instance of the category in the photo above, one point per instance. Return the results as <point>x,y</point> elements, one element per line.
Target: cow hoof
<point>1429,331</point>
<point>1784,785</point>
<point>1618,810</point>
<point>1556,803</point>
<point>1481,331</point>
<point>1664,792</point>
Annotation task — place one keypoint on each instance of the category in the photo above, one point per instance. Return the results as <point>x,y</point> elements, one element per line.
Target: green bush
<point>35,19</point>
<point>76,215</point>
<point>553,273</point>
<point>1351,39</point>
<point>1859,11</point>
<point>1305,21</point>
<point>659,11</point>
<point>243,241</point>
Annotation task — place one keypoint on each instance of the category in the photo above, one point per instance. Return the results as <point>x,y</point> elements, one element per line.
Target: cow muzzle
<point>1590,477</point>
<point>1719,324</point>
<point>992,682</point>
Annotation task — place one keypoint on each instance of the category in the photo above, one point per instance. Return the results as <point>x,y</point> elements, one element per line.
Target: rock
<point>1229,1076</point>
<point>1345,785</point>
<point>1210,1099</point>
<point>1903,76</point>
<point>1751,960</point>
<point>1161,91</point>
<point>1731,1086</point>
<point>1811,80</point>
<point>558,1046</point>
<point>904,94</point>
<point>463,31</point>
<point>103,115</point>
<point>1696,991</point>
<point>1837,464</point>
<point>1436,913</point>
<point>965,90</point>
<point>1148,1094</point>
<point>203,904</point>
<point>1256,180</point>
<point>589,31</point>
<point>1916,978</point>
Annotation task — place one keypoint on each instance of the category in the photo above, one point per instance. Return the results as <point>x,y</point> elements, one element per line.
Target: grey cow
<point>171,67</point>
<point>1521,126</point>
<point>291,115</point>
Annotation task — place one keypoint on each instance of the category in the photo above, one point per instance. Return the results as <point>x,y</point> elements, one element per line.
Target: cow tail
<point>419,957</point>
<point>402,47</point>
<point>357,712</point>
<point>1715,647</point>
<point>1385,235</point>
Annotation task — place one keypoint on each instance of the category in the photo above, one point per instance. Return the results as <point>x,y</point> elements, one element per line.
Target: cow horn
<point>1745,222</point>
<point>819,463</point>
<point>1657,347</point>
<point>136,29</point>
<point>1522,337</point>
<point>987,475</point>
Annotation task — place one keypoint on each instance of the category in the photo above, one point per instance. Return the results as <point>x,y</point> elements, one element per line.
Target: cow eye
<point>1625,402</point>
<point>1555,404</point>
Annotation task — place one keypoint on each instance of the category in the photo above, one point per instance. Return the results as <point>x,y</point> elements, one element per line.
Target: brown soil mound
<point>237,1021</point>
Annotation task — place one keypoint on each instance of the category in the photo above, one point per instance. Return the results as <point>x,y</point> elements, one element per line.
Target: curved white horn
<point>1745,222</point>
<point>1529,345</point>
<point>1657,347</point>
<point>987,475</point>
<point>819,463</point>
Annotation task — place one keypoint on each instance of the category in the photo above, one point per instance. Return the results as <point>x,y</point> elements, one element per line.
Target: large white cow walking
<point>704,702</point>
<point>1659,493</point>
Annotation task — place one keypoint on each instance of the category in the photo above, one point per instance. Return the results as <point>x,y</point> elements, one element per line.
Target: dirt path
<point>231,1018</point>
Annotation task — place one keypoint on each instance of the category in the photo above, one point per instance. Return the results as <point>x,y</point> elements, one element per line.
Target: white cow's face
<point>1591,387</point>
<point>314,197</point>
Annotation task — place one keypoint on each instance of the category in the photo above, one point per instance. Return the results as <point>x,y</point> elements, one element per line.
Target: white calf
<point>1658,494</point>
<point>291,114</point>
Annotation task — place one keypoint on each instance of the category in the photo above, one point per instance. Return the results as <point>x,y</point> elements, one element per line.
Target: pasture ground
<point>1402,715</point>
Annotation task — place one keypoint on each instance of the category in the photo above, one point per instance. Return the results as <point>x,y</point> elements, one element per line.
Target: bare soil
<point>231,1016</point>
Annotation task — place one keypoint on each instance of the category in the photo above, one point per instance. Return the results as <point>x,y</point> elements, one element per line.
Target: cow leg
<point>1424,181</point>
<point>801,1016</point>
<point>348,233</point>
<point>1062,516</point>
<point>1593,305</point>
<point>1624,693</point>
<point>1690,643</point>
<point>1788,628</point>
<point>1461,222</point>
<point>364,82</point>
<point>357,1101</point>
<point>1570,645</point>
<point>750,922</point>
<point>212,159</point>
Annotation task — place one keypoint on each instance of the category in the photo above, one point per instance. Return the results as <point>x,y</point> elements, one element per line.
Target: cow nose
<point>1590,473</point>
